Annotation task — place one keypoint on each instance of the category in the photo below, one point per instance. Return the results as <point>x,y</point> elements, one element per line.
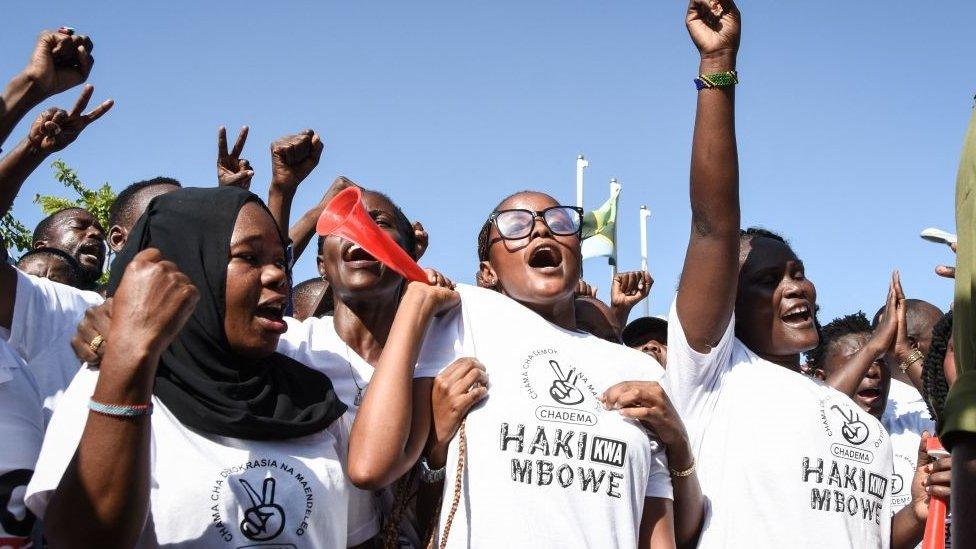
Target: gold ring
<point>96,343</point>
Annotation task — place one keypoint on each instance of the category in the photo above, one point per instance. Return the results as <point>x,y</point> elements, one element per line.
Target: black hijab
<point>199,378</point>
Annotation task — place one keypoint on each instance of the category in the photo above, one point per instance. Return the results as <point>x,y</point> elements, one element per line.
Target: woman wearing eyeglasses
<point>545,454</point>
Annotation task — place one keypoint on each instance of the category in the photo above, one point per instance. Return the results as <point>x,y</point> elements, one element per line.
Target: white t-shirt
<point>783,460</point>
<point>905,417</point>
<point>211,491</point>
<point>546,465</point>
<point>21,434</point>
<point>46,317</point>
<point>315,342</point>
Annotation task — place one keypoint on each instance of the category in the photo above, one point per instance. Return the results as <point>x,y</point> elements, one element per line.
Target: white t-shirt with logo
<point>211,491</point>
<point>905,417</point>
<point>21,434</point>
<point>546,465</point>
<point>46,317</point>
<point>783,460</point>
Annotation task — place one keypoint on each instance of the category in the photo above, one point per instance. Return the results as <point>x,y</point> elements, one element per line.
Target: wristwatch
<point>428,475</point>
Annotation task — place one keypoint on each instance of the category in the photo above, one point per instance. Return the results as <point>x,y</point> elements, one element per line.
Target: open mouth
<point>869,393</point>
<point>545,257</point>
<point>271,314</point>
<point>358,258</point>
<point>798,315</point>
<point>91,252</point>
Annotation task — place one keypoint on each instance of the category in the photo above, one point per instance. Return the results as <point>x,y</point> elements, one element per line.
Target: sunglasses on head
<point>517,223</point>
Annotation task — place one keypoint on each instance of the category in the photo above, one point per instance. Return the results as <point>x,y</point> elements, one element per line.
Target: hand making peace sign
<point>232,170</point>
<point>56,128</point>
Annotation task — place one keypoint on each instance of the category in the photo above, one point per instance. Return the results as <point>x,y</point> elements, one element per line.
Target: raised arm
<point>293,157</point>
<point>706,292</point>
<point>393,423</point>
<point>302,231</point>
<point>60,61</point>
<point>104,494</point>
<point>232,170</point>
<point>626,291</point>
<point>53,130</point>
<point>847,378</point>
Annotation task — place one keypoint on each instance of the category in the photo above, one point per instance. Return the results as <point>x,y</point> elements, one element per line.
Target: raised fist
<point>628,289</point>
<point>152,303</point>
<point>232,170</point>
<point>56,128</point>
<point>714,26</point>
<point>293,157</point>
<point>59,62</point>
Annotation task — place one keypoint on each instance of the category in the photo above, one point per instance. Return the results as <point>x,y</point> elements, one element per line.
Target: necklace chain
<point>358,400</point>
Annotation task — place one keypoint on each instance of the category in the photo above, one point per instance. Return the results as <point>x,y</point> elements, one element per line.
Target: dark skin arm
<point>103,497</point>
<point>393,423</point>
<point>59,62</point>
<point>293,157</point>
<point>626,291</point>
<point>647,402</point>
<point>53,130</point>
<point>848,378</point>
<point>706,292</point>
<point>303,230</point>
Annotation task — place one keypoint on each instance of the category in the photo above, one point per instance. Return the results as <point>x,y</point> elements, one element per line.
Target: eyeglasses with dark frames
<point>517,223</point>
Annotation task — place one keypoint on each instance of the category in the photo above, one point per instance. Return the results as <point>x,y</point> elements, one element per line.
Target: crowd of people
<point>204,398</point>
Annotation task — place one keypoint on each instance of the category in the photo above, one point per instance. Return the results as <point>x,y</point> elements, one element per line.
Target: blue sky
<point>850,116</point>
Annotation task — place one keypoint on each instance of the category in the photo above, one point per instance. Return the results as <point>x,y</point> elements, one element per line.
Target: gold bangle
<point>912,359</point>
<point>686,473</point>
<point>96,343</point>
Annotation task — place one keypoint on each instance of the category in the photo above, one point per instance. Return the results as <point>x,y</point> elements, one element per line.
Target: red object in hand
<point>935,525</point>
<point>345,216</point>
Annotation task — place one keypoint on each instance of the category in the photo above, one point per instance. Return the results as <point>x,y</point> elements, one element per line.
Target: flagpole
<point>581,163</point>
<point>644,215</point>
<point>614,187</point>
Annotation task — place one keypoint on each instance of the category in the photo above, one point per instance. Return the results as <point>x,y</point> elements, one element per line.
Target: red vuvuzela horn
<point>346,217</point>
<point>935,525</point>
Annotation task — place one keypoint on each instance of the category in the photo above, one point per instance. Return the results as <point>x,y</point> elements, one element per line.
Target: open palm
<point>714,25</point>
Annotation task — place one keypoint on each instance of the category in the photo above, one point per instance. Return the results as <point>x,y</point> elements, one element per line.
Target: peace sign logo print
<point>264,502</point>
<point>564,390</point>
<point>264,519</point>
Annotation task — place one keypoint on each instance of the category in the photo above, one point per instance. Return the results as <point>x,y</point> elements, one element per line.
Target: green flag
<point>600,229</point>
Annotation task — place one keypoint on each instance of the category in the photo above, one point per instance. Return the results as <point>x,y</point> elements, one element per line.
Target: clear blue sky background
<point>850,116</point>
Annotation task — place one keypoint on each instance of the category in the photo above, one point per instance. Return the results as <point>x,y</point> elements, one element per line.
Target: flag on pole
<point>600,228</point>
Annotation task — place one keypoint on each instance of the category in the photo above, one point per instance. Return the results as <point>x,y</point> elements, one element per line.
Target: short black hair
<point>935,388</point>
<point>644,329</point>
<point>121,208</point>
<point>43,229</point>
<point>837,328</point>
<point>74,268</point>
<point>404,226</point>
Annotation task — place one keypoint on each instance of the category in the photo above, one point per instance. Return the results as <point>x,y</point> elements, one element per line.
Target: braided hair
<point>935,388</point>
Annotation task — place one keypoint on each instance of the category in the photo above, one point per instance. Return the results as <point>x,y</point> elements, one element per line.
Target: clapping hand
<point>56,128</point>
<point>232,170</point>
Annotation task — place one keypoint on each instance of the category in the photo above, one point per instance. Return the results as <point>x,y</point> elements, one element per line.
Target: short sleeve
<point>692,378</point>
<point>659,476</point>
<point>22,432</point>
<point>61,440</point>
<point>442,345</point>
<point>42,303</point>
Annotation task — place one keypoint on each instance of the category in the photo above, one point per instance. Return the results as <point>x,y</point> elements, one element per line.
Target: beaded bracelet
<point>717,80</point>
<point>120,410</point>
<point>686,473</point>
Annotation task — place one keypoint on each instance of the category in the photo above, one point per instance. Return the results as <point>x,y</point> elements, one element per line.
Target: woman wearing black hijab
<point>245,446</point>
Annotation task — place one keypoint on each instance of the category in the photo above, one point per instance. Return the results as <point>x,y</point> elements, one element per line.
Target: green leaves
<point>97,201</point>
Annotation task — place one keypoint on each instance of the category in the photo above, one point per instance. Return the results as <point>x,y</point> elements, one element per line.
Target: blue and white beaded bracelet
<point>120,410</point>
